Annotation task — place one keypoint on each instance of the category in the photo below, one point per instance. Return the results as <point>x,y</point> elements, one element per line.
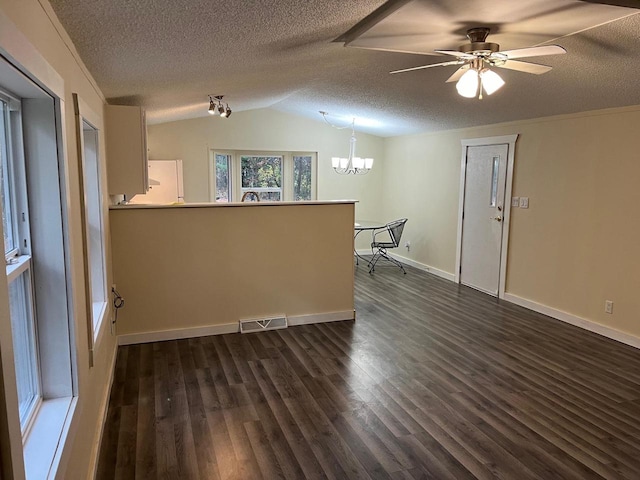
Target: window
<point>94,225</point>
<point>18,259</point>
<point>302,177</point>
<point>273,176</point>
<point>222,169</point>
<point>7,202</point>
<point>262,175</point>
<point>24,348</point>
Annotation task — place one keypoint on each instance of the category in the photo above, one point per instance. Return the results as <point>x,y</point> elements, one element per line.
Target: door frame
<point>510,141</point>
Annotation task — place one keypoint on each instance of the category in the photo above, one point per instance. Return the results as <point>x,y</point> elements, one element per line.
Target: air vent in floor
<point>262,324</point>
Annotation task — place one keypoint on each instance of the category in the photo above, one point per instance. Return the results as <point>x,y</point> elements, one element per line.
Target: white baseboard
<point>103,412</point>
<point>420,266</point>
<point>179,333</point>
<point>594,327</point>
<point>321,317</point>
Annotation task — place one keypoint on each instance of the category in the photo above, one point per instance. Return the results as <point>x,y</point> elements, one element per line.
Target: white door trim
<point>510,140</point>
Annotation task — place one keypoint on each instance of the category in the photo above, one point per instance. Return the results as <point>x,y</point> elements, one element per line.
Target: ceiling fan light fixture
<point>491,81</point>
<point>467,86</point>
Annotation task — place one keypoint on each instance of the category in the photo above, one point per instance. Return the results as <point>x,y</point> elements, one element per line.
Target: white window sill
<point>44,437</point>
<point>17,266</point>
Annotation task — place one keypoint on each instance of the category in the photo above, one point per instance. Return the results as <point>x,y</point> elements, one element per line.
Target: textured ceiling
<point>168,55</point>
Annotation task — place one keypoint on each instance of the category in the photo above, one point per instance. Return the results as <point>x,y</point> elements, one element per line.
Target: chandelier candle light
<point>352,164</point>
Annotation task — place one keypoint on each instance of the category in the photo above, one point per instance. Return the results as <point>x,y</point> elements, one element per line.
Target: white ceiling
<point>168,55</point>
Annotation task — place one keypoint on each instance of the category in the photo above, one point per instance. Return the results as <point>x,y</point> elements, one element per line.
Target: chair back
<point>395,230</point>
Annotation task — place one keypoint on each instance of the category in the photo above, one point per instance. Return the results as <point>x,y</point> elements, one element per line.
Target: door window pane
<point>301,178</point>
<point>24,345</point>
<point>494,181</point>
<point>223,184</point>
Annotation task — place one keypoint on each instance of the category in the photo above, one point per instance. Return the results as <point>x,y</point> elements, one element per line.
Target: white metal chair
<point>379,248</point>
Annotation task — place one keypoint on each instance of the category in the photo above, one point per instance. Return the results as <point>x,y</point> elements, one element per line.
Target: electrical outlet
<point>524,202</point>
<point>408,245</point>
<point>515,202</point>
<point>608,306</point>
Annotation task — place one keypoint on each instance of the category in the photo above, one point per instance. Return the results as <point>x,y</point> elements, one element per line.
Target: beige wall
<point>187,267</point>
<point>190,140</point>
<point>42,33</point>
<point>575,246</point>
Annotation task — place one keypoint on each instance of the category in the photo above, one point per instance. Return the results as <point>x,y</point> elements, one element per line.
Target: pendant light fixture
<point>215,109</point>
<point>350,165</point>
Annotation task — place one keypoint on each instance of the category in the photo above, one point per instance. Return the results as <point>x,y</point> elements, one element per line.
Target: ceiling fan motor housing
<point>477,37</point>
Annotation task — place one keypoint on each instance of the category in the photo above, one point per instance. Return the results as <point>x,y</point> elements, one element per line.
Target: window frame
<point>235,173</point>
<point>96,310</point>
<point>19,262</point>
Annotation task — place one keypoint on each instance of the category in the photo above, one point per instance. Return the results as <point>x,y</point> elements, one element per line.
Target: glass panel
<point>223,184</point>
<point>7,207</point>
<point>24,345</point>
<point>301,178</point>
<point>94,218</point>
<point>270,196</point>
<point>494,181</point>
<point>261,172</point>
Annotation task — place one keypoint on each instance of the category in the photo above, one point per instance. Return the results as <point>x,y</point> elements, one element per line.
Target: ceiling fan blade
<point>534,51</point>
<point>457,74</point>
<point>525,67</point>
<point>443,64</point>
<point>455,53</point>
<point>371,20</point>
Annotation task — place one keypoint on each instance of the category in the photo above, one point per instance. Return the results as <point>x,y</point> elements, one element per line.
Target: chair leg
<point>374,259</point>
<point>382,252</point>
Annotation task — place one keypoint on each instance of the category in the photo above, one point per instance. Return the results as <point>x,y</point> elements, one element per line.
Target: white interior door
<point>483,215</point>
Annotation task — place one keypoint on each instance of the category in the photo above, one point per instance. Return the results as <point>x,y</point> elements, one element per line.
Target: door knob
<point>497,219</point>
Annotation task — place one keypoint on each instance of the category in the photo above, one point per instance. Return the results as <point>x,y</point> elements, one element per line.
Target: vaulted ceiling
<point>169,55</point>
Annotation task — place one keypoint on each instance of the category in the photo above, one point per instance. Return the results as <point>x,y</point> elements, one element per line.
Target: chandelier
<point>351,164</point>
<point>219,109</point>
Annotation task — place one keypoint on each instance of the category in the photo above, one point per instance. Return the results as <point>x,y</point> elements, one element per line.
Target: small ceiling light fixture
<point>352,164</point>
<point>219,109</point>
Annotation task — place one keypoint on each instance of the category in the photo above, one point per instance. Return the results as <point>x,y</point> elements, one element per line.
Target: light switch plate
<point>524,202</point>
<point>515,202</point>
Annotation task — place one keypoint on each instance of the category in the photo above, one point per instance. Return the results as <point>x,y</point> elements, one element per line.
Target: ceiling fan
<point>475,59</point>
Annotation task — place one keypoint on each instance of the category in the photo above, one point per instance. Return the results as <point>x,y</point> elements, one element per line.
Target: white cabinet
<point>126,136</point>
<point>165,184</point>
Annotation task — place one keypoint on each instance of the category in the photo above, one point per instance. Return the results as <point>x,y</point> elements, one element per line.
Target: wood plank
<point>434,380</point>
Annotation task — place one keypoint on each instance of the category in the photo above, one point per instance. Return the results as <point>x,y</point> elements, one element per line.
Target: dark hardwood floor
<point>433,380</point>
